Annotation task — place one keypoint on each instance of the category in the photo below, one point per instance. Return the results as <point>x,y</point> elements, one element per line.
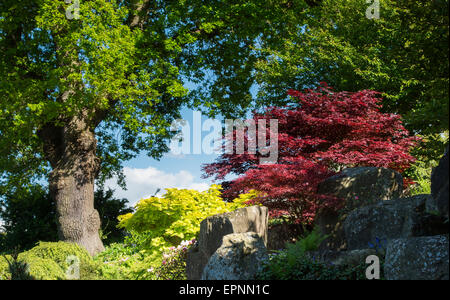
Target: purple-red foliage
<point>320,133</point>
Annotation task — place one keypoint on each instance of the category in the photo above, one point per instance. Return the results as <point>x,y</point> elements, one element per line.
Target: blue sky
<point>145,175</point>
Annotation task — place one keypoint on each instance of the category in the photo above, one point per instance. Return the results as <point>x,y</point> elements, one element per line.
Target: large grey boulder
<point>386,220</point>
<point>358,187</point>
<point>214,228</point>
<point>439,185</point>
<point>239,258</point>
<point>346,258</point>
<point>418,258</point>
<point>369,184</point>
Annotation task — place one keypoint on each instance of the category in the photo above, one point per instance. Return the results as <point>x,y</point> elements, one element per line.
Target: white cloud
<point>143,183</point>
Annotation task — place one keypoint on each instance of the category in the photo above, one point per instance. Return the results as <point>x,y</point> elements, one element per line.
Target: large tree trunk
<point>71,151</point>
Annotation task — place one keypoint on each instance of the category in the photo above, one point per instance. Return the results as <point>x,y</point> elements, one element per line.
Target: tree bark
<point>71,151</point>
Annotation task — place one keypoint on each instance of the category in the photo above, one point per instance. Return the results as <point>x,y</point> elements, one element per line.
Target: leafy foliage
<point>166,221</point>
<point>318,135</point>
<point>122,67</point>
<point>110,209</point>
<point>173,266</point>
<point>403,54</point>
<point>48,261</point>
<point>306,268</point>
<point>59,252</point>
<point>310,242</point>
<point>123,262</point>
<point>295,263</point>
<point>2,241</point>
<point>379,245</point>
<point>160,230</point>
<point>420,171</point>
<point>30,217</point>
<point>84,95</point>
<point>19,270</point>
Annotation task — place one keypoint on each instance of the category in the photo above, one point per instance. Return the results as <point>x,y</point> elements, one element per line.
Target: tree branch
<point>137,17</point>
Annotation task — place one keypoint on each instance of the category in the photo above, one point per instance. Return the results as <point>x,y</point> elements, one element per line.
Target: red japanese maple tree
<point>319,134</point>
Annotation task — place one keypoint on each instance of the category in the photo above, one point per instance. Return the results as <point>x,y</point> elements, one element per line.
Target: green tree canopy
<point>403,54</point>
<point>81,95</point>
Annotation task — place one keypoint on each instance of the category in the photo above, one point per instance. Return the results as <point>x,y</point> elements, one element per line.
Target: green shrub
<point>173,266</point>
<point>4,267</point>
<point>119,263</point>
<point>43,268</point>
<point>34,268</point>
<point>124,262</point>
<point>49,261</point>
<point>428,154</point>
<point>420,174</point>
<point>163,222</point>
<point>310,242</point>
<point>158,225</point>
<point>2,241</point>
<point>59,253</point>
<point>18,270</point>
<point>295,263</point>
<point>306,268</point>
<point>30,216</point>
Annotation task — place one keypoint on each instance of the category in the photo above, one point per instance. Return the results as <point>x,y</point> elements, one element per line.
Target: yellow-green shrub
<point>48,261</point>
<point>131,267</point>
<point>60,251</point>
<point>4,269</point>
<point>43,268</point>
<point>166,221</point>
<point>39,268</point>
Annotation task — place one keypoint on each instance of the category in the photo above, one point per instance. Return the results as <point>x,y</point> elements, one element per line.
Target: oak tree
<point>83,91</point>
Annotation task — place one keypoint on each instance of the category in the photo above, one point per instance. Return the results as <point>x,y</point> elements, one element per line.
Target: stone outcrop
<point>369,184</point>
<point>439,185</point>
<point>358,187</point>
<point>214,228</point>
<point>413,231</point>
<point>400,218</point>
<point>280,234</point>
<point>240,257</point>
<point>348,258</point>
<point>418,258</point>
<point>410,233</point>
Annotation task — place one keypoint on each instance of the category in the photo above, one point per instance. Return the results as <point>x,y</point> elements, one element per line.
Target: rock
<point>280,234</point>
<point>240,257</point>
<point>195,263</point>
<point>353,257</point>
<point>214,228</point>
<point>417,258</point>
<point>439,185</point>
<point>357,187</point>
<point>369,184</point>
<point>248,219</point>
<point>348,258</point>
<point>400,218</point>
